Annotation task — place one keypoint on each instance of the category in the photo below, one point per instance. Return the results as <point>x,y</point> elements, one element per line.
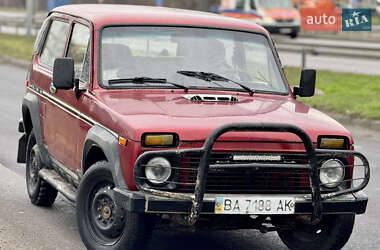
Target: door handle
<point>52,88</point>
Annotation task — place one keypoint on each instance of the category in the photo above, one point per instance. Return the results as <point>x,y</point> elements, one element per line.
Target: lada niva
<point>155,118</point>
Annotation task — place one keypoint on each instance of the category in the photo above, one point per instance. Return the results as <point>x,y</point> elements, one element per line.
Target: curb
<point>344,119</point>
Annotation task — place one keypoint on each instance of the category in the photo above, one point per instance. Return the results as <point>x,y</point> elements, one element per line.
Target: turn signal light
<point>332,143</point>
<point>159,140</point>
<point>123,141</point>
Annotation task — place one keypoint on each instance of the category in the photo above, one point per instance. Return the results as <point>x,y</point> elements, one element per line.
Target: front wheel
<point>293,35</point>
<point>331,233</point>
<point>102,224</point>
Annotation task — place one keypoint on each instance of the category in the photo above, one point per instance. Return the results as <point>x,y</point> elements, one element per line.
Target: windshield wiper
<point>143,80</point>
<point>210,77</point>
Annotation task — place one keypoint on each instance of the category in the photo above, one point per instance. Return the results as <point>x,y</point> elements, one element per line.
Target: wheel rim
<point>106,219</point>
<point>33,169</point>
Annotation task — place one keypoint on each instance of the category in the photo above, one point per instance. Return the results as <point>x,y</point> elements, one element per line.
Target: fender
<point>108,142</point>
<point>30,102</point>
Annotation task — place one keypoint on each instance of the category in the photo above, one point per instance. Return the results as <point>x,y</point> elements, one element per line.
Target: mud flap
<point>21,154</point>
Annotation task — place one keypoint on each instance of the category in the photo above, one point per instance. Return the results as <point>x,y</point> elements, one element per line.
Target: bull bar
<point>197,198</point>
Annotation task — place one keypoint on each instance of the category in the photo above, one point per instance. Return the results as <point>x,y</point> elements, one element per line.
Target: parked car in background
<point>278,17</point>
<point>156,118</point>
<point>320,4</point>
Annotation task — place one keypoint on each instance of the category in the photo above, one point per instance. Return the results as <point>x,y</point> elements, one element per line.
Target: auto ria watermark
<point>336,19</point>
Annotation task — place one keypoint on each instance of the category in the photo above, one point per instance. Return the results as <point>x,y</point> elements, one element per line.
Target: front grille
<point>284,20</point>
<point>245,180</point>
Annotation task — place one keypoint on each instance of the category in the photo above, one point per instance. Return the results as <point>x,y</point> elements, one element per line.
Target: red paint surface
<point>133,112</point>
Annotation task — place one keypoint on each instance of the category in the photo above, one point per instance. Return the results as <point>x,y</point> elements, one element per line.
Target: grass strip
<point>18,47</point>
<point>350,94</point>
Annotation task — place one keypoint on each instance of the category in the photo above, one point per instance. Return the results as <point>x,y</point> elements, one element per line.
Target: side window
<point>55,42</point>
<point>240,4</point>
<point>40,35</point>
<point>78,50</point>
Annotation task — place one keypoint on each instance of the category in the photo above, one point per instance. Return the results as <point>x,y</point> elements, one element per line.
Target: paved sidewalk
<point>25,226</point>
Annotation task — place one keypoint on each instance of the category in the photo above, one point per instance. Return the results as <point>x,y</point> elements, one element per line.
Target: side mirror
<point>63,73</point>
<point>307,83</point>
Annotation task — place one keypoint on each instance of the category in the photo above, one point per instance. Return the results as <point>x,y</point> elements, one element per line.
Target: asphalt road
<point>24,226</point>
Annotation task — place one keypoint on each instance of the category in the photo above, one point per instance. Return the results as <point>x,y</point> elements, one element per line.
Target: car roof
<point>108,14</point>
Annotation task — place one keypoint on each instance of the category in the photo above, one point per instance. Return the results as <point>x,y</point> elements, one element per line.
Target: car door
<point>79,49</point>
<point>68,121</point>
<point>60,119</point>
<point>54,45</point>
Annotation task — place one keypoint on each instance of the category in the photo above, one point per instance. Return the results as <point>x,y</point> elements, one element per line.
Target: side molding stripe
<point>69,108</point>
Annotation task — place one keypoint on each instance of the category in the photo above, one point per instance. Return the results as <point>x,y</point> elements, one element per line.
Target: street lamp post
<point>29,4</point>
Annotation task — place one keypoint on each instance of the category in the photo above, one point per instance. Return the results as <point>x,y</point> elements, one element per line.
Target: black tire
<point>331,233</point>
<point>40,192</point>
<point>102,224</point>
<point>293,35</point>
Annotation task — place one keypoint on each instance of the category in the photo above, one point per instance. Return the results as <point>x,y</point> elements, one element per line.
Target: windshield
<point>160,52</point>
<point>275,4</point>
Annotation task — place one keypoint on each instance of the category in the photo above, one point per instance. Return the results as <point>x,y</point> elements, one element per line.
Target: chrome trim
<point>69,108</point>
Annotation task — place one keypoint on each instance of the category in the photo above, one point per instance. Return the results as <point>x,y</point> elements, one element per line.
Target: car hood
<point>141,111</point>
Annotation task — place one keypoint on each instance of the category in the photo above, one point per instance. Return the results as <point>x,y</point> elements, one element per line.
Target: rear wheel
<point>102,223</point>
<point>332,232</point>
<point>40,192</point>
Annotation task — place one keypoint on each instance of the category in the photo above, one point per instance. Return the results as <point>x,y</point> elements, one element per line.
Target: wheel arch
<point>27,120</point>
<point>31,120</point>
<point>100,144</point>
<point>92,153</point>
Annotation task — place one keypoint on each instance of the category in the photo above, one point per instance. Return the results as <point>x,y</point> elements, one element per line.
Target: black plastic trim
<point>110,146</point>
<point>30,103</point>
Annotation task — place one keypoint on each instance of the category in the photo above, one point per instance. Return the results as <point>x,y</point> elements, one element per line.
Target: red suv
<point>153,118</point>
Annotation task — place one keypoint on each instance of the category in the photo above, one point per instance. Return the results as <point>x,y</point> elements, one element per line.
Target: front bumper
<point>139,202</point>
<point>200,201</point>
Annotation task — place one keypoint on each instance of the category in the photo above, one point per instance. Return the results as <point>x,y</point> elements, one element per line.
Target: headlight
<point>158,170</point>
<point>331,173</point>
<point>297,21</point>
<point>267,19</point>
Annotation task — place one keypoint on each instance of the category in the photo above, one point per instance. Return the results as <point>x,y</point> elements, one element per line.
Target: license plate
<point>254,205</point>
<point>285,30</point>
